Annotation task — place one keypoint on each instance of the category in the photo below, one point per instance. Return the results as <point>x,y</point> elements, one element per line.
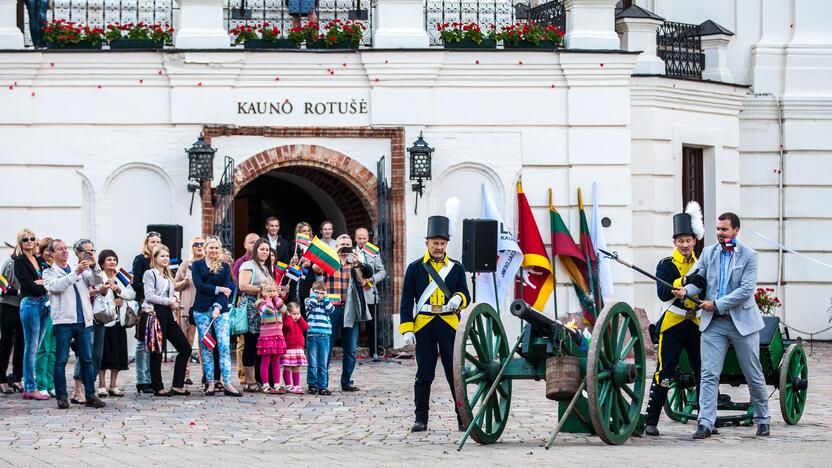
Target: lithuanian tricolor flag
<point>4,284</point>
<point>537,270</point>
<point>322,255</point>
<point>591,260</point>
<point>370,249</point>
<point>572,259</point>
<point>281,267</point>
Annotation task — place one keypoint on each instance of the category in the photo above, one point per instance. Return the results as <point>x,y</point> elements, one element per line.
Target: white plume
<point>452,212</point>
<point>696,222</point>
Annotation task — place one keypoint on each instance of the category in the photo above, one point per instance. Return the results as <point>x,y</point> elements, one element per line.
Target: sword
<point>614,256</point>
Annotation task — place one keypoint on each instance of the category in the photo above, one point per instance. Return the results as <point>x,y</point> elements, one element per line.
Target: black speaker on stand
<point>172,238</point>
<point>479,247</point>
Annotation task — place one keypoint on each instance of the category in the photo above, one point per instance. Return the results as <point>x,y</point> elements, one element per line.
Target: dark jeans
<point>83,344</point>
<point>349,337</point>
<point>37,20</point>
<point>372,331</point>
<point>11,338</point>
<point>172,332</point>
<point>436,339</point>
<point>97,351</point>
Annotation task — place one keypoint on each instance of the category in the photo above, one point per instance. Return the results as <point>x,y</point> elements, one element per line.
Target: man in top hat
<point>678,326</point>
<point>434,292</point>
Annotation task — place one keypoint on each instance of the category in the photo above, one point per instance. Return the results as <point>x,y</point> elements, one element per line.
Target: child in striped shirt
<point>318,310</point>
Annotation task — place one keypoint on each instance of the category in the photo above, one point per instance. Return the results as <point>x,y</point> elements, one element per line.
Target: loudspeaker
<point>171,237</point>
<point>479,245</point>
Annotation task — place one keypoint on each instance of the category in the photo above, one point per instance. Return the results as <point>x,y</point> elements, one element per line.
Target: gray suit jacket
<point>738,300</point>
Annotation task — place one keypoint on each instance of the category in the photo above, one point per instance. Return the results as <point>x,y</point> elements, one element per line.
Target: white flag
<point>509,258</point>
<point>596,232</point>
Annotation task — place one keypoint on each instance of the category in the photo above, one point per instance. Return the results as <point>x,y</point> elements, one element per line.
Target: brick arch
<point>348,171</point>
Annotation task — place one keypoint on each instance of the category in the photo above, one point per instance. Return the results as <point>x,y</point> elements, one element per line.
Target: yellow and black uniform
<point>678,329</point>
<point>432,321</point>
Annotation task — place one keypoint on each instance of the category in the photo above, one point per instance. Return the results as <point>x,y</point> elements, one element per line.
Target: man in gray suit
<point>729,316</point>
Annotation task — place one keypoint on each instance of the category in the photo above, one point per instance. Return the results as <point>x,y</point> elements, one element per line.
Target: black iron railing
<point>679,45</point>
<point>276,12</point>
<point>224,206</point>
<point>491,12</point>
<point>104,12</point>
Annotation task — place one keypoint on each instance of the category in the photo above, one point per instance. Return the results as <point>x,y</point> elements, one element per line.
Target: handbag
<point>130,317</point>
<point>237,317</point>
<point>103,310</point>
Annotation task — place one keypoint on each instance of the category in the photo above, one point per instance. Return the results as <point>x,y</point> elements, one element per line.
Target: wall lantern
<point>420,166</point>
<point>200,166</point>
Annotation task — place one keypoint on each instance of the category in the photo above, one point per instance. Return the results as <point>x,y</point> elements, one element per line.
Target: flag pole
<point>554,266</point>
<point>522,279</point>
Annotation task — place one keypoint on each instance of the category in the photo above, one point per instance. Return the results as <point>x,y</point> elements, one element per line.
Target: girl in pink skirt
<point>271,344</point>
<point>293,328</point>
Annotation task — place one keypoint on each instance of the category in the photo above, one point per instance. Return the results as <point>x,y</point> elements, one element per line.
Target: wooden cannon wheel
<point>615,374</point>
<point>793,384</point>
<point>480,348</point>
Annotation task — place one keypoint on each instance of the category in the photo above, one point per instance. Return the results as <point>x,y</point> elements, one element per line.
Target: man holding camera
<point>433,294</point>
<point>72,318</point>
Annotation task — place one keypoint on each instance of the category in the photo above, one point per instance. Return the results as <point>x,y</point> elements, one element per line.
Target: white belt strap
<point>429,309</point>
<point>432,286</point>
<point>683,312</point>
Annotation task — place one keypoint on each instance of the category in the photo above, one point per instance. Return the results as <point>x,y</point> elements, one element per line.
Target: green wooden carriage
<point>784,365</point>
<point>611,366</point>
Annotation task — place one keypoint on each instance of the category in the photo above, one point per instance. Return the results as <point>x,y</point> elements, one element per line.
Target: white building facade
<point>93,142</point>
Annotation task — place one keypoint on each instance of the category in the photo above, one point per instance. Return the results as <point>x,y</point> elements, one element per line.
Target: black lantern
<point>420,165</point>
<point>200,166</point>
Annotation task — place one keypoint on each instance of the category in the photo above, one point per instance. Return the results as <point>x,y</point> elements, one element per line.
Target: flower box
<point>78,46</point>
<point>270,44</point>
<point>342,44</point>
<point>134,44</point>
<point>466,43</point>
<point>548,45</point>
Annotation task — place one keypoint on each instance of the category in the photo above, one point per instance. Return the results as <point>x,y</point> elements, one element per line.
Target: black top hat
<point>682,225</point>
<point>438,227</point>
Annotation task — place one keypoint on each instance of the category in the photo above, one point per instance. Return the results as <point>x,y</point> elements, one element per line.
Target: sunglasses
<point>153,234</point>
<point>198,244</point>
<point>27,239</point>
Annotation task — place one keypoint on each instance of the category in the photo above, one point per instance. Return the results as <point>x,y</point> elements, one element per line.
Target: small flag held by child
<point>280,267</point>
<point>4,284</point>
<point>334,299</point>
<point>294,273</point>
<point>209,341</point>
<point>124,277</point>
<point>370,249</point>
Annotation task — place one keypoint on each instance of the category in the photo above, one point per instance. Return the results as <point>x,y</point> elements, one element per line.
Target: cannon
<point>784,366</point>
<point>599,384</point>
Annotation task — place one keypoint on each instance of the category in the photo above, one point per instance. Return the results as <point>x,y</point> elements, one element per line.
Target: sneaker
<point>102,392</point>
<point>269,389</point>
<point>51,393</point>
<point>281,390</point>
<point>35,396</point>
<point>95,402</point>
<point>297,389</point>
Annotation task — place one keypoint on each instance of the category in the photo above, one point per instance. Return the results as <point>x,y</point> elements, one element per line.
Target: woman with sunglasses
<point>187,293</point>
<point>140,265</point>
<point>28,269</point>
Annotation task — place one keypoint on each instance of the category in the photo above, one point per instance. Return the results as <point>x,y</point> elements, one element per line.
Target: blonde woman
<point>159,293</point>
<point>140,265</point>
<point>28,270</point>
<point>187,293</point>
<point>212,280</point>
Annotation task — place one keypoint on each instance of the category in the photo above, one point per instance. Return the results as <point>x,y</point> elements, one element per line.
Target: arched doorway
<point>298,193</point>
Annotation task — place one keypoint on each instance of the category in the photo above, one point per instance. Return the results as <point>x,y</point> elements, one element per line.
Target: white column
<point>201,26</point>
<point>808,58</point>
<point>639,34</point>
<point>715,48</point>
<point>399,24</point>
<point>590,24</point>
<point>10,36</point>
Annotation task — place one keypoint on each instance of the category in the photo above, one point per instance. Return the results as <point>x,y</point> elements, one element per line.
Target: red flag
<point>537,269</point>
<point>209,341</point>
<point>591,259</point>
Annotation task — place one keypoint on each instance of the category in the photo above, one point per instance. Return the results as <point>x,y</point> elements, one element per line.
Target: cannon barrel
<point>542,323</point>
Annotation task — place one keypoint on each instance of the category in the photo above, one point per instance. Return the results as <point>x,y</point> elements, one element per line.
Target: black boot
<point>421,391</point>
<point>655,403</point>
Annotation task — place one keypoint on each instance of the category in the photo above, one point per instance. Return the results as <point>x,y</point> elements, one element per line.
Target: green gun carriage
<point>599,386</point>
<point>784,365</point>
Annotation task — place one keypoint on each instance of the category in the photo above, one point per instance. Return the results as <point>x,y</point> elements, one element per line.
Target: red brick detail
<point>295,158</point>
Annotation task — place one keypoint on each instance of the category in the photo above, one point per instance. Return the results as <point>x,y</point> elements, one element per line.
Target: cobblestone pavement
<point>371,427</point>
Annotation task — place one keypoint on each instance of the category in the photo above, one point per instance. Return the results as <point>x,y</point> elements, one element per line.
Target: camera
<point>87,257</point>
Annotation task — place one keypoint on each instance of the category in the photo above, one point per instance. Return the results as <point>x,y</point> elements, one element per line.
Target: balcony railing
<point>487,12</point>
<point>275,12</point>
<point>103,12</point>
<point>679,45</point>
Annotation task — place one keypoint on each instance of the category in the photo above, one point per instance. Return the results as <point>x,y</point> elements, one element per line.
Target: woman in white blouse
<point>118,298</point>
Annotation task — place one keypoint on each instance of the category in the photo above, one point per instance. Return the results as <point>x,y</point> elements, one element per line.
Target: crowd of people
<point>278,319</point>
